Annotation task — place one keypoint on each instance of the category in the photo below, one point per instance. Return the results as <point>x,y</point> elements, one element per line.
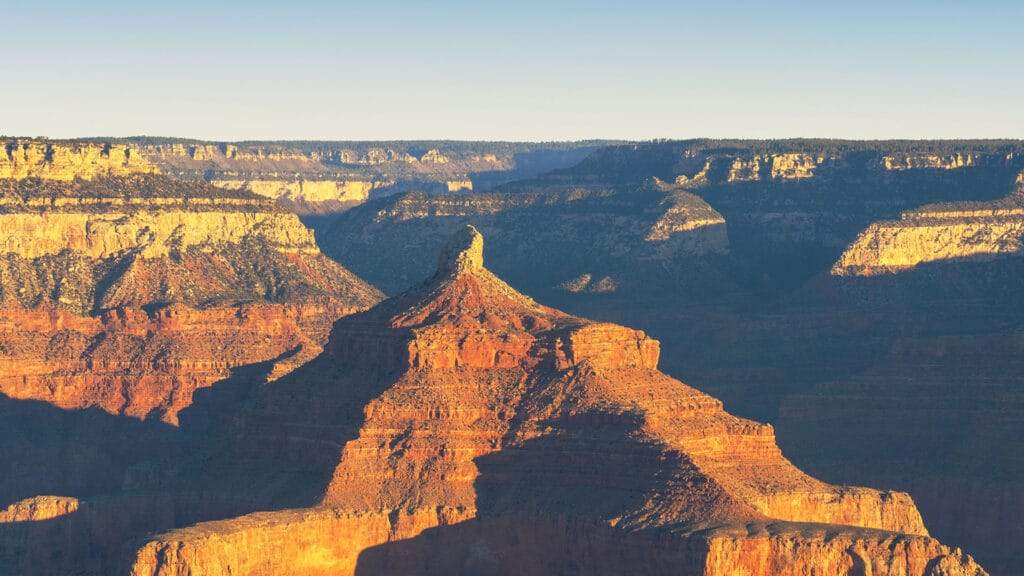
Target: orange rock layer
<point>506,437</point>
<point>148,364</point>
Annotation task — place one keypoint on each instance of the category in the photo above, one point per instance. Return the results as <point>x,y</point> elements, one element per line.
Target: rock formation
<point>130,293</point>
<point>308,192</point>
<point>936,233</point>
<point>499,435</point>
<point>761,309</point>
<point>328,177</point>
<point>59,160</point>
<point>38,508</point>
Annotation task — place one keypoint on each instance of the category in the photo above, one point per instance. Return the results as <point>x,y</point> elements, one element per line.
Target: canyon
<point>843,283</point>
<point>194,380</point>
<point>314,178</point>
<point>503,436</point>
<point>126,294</point>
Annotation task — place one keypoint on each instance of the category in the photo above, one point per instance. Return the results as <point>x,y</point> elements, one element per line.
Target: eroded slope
<point>500,429</point>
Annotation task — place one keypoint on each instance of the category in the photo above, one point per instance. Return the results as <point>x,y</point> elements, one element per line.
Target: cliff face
<point>933,161</point>
<point>149,233</point>
<point>142,364</point>
<point>38,508</point>
<point>308,191</point>
<point>69,160</point>
<point>129,294</point>
<point>936,233</point>
<point>508,436</point>
<point>775,166</point>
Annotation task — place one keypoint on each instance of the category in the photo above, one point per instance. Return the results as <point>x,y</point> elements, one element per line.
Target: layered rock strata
<point>968,232</point>
<point>774,320</point>
<point>67,161</point>
<point>503,436</point>
<point>327,177</point>
<point>130,293</point>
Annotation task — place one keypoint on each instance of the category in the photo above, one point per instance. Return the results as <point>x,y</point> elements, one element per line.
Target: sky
<point>522,70</point>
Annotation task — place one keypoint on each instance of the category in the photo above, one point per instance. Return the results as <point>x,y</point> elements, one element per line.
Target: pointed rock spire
<point>464,252</point>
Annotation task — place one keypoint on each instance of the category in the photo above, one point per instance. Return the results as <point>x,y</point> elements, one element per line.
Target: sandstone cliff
<point>66,161</point>
<point>506,436</point>
<point>130,293</point>
<point>766,323</point>
<point>38,508</point>
<point>966,231</point>
<point>352,191</point>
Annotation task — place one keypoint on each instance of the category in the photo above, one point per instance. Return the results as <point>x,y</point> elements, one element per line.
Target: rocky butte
<point>461,427</point>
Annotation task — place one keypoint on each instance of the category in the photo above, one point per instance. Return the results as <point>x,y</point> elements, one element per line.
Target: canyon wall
<point>130,293</point>
<point>518,466</point>
<point>866,251</point>
<point>59,160</point>
<point>937,233</point>
<point>329,177</point>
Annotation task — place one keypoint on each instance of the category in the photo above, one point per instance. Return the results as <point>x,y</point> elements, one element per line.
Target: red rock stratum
<point>128,293</point>
<point>506,437</point>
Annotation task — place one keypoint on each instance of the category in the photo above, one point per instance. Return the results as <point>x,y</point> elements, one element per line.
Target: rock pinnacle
<point>464,252</point>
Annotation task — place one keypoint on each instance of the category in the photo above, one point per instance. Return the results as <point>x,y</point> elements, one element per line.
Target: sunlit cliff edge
<point>938,233</point>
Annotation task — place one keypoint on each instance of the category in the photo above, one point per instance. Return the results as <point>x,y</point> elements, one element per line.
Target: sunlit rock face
<point>67,161</point>
<point>497,435</point>
<point>39,508</point>
<point>129,293</point>
<point>975,231</point>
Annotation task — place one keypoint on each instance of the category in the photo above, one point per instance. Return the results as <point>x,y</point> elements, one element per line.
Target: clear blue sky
<point>515,70</point>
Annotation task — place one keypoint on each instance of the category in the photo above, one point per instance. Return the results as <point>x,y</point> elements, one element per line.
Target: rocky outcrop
<point>38,508</point>
<point>132,306</point>
<point>460,185</point>
<point>689,225</point>
<point>930,161</point>
<point>60,160</point>
<point>920,237</point>
<point>503,423</point>
<point>353,191</point>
